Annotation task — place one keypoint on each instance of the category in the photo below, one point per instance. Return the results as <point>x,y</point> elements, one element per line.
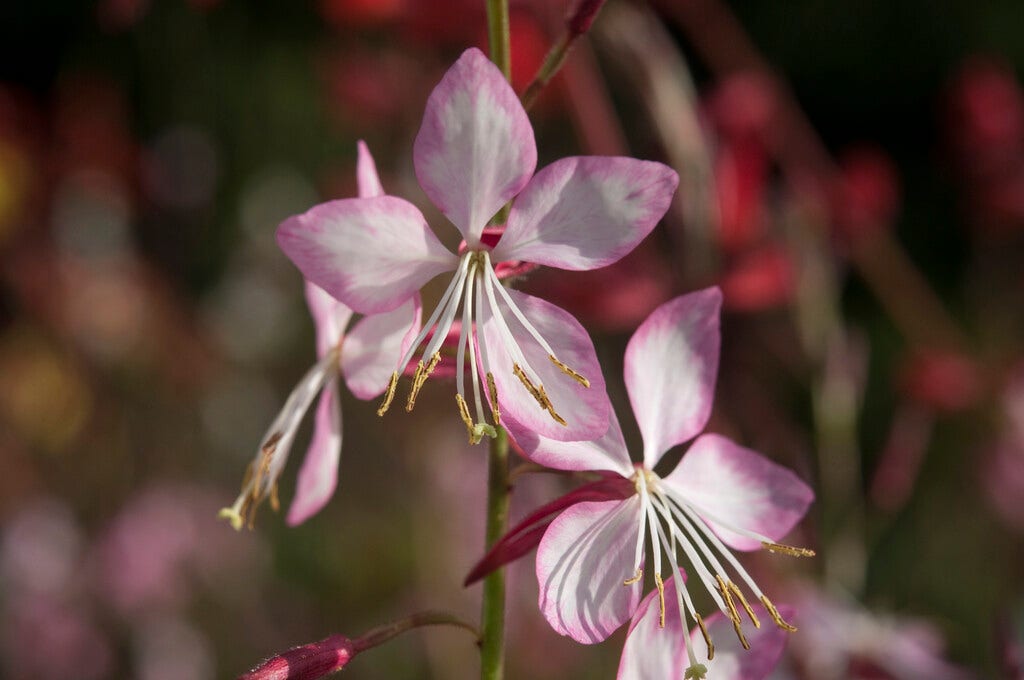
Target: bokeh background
<point>852,176</point>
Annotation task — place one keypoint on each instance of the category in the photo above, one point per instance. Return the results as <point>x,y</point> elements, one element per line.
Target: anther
<point>661,599</point>
<point>734,614</point>
<point>464,412</point>
<point>635,579</point>
<point>746,605</point>
<point>423,372</point>
<point>707,637</point>
<point>788,549</point>
<point>530,387</point>
<point>389,394</point>
<point>776,617</point>
<point>551,407</point>
<point>493,389</point>
<point>568,371</point>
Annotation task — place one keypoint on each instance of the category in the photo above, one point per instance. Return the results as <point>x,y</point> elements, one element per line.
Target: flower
<point>363,356</point>
<point>590,561</point>
<point>474,153</point>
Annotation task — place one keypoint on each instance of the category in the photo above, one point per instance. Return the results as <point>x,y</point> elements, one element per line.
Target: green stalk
<point>492,614</point>
<point>498,36</point>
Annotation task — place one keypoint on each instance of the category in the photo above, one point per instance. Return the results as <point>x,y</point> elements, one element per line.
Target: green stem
<point>498,36</point>
<point>381,634</point>
<point>492,614</point>
<point>552,62</point>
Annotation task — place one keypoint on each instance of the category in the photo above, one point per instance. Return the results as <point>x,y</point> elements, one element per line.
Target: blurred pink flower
<point>590,560</point>
<point>867,193</point>
<point>363,356</point>
<point>474,153</point>
<point>760,279</point>
<point>945,380</point>
<point>843,641</point>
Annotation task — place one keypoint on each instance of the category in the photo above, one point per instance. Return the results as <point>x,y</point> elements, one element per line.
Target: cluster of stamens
<point>475,285</point>
<point>257,486</point>
<point>673,522</point>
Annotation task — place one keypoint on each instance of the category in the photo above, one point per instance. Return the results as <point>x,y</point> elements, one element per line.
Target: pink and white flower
<point>364,356</point>
<point>721,497</point>
<point>474,153</point>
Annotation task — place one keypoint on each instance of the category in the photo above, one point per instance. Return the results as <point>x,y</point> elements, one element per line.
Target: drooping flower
<point>364,355</point>
<point>474,153</point>
<point>721,497</point>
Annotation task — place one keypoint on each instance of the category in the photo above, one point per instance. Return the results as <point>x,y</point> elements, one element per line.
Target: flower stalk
<point>492,615</point>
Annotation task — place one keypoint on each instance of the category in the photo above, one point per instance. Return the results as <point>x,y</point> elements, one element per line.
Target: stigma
<point>476,293</point>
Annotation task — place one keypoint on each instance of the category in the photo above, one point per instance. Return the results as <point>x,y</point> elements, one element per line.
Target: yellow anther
<point>746,605</point>
<point>776,617</point>
<point>464,412</point>
<point>389,394</point>
<point>635,579</point>
<point>788,549</point>
<point>568,371</point>
<point>707,637</point>
<point>734,614</point>
<point>661,600</point>
<point>530,387</point>
<point>551,407</point>
<point>423,372</point>
<point>275,502</point>
<point>493,389</point>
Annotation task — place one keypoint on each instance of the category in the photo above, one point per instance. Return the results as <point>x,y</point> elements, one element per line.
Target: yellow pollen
<point>389,394</point>
<point>661,600</point>
<point>530,387</point>
<point>635,579</point>
<point>734,614</point>
<point>464,412</point>
<point>568,371</point>
<point>746,605</point>
<point>788,549</point>
<point>551,408</point>
<point>493,389</point>
<point>776,617</point>
<point>707,637</point>
<point>423,372</point>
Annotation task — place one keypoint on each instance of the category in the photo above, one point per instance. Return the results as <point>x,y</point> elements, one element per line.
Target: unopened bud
<point>582,16</point>
<point>307,662</point>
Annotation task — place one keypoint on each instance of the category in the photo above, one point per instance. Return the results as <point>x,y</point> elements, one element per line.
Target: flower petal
<point>582,561</point>
<point>375,345</point>
<point>318,475</point>
<point>370,253</point>
<point>671,365</point>
<point>475,149</point>
<point>586,212</point>
<point>329,316</point>
<point>655,653</point>
<point>585,410</point>
<point>607,453</point>
<point>739,487</point>
<point>366,173</point>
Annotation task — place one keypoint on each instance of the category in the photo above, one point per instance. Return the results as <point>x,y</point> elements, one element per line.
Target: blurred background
<point>852,176</point>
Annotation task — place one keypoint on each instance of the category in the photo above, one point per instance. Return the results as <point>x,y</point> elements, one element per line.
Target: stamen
<point>569,372</point>
<point>734,614</point>
<point>776,616</point>
<point>389,395</point>
<point>530,387</point>
<point>492,388</point>
<point>464,412</point>
<point>422,373</point>
<point>707,637</point>
<point>746,605</point>
<point>635,579</point>
<point>790,550</point>
<point>661,600</point>
<point>551,407</point>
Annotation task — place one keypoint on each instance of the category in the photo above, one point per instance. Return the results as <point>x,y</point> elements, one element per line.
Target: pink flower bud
<point>307,662</point>
<point>946,381</point>
<point>582,15</point>
<point>867,195</point>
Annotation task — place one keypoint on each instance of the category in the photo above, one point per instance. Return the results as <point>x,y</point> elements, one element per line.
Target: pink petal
<point>375,345</point>
<point>329,316</point>
<point>370,253</point>
<point>586,212</point>
<point>582,562</point>
<point>655,653</point>
<point>585,410</point>
<point>742,488</point>
<point>366,173</point>
<point>671,364</point>
<point>475,149</point>
<point>607,453</point>
<point>318,475</point>
<point>524,537</point>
